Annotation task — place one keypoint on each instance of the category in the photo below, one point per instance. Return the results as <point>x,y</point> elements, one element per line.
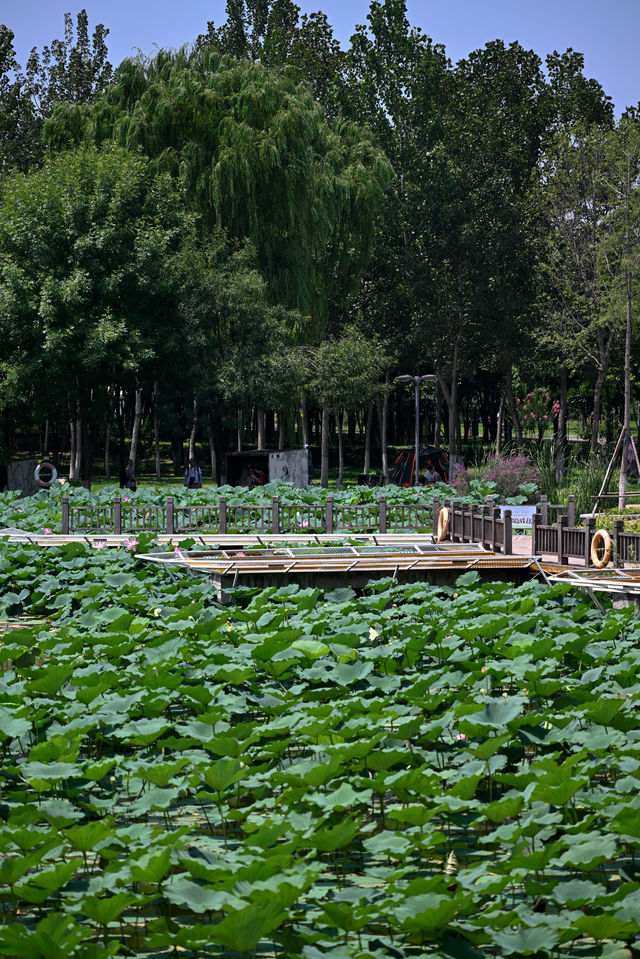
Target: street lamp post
<point>416,380</point>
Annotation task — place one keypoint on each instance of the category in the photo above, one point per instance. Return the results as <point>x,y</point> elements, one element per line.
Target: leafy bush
<point>510,474</point>
<point>459,479</point>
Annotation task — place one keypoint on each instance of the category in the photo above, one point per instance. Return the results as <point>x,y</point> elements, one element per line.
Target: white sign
<point>521,516</point>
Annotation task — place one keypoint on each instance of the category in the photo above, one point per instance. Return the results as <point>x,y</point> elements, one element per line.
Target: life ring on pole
<point>601,538</point>
<point>443,524</point>
<point>45,484</point>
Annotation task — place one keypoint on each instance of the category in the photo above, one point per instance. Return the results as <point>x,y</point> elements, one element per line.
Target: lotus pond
<point>410,772</point>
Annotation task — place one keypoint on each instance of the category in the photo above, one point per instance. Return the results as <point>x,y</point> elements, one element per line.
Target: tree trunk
<point>282,427</point>
<point>261,430</point>
<point>351,428</point>
<point>239,433</point>
<point>194,428</point>
<point>367,441</point>
<point>156,432</point>
<point>626,416</point>
<point>324,448</point>
<point>135,432</point>
<point>383,416</point>
<point>304,418</point>
<point>513,409</point>
<point>339,423</point>
<point>73,463</point>
<point>561,436</point>
<point>45,445</point>
<point>86,439</point>
<point>499,424</point>
<point>176,456</point>
<point>107,434</point>
<point>212,449</point>
<point>437,426</point>
<point>451,399</point>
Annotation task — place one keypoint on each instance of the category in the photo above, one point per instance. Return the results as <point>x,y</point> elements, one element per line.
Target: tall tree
<point>254,155</point>
<point>86,281</point>
<point>577,200</point>
<point>493,130</point>
<point>74,70</point>
<point>620,252</point>
<point>275,33</point>
<point>571,100</point>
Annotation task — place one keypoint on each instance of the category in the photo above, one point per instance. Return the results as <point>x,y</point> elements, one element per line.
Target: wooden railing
<point>471,523</point>
<point>561,540</point>
<point>130,517</point>
<point>574,542</point>
<point>549,512</point>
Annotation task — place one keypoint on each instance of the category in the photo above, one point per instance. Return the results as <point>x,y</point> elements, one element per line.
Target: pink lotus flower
<point>100,544</point>
<point>131,545</point>
<point>46,531</point>
<point>460,736</point>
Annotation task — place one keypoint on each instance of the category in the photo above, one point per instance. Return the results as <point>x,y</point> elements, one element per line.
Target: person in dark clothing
<point>131,482</point>
<point>193,475</point>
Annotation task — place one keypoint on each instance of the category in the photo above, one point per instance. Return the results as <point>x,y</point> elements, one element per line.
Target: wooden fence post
<point>223,514</point>
<point>467,523</point>
<point>618,527</point>
<point>275,514</point>
<point>436,512</point>
<point>589,530</point>
<point>65,515</point>
<point>495,520</point>
<point>562,525</point>
<point>485,511</point>
<point>571,509</point>
<point>328,514</point>
<point>382,514</point>
<point>544,510</point>
<point>170,515</point>
<point>507,539</point>
<point>535,519</point>
<point>117,516</point>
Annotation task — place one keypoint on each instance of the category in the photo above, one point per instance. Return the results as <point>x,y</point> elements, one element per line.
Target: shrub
<point>509,473</point>
<point>459,479</point>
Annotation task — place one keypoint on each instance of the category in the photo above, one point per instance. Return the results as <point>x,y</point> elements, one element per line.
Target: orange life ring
<point>601,537</point>
<point>443,524</point>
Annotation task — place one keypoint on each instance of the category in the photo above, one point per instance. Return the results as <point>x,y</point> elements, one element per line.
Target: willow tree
<point>254,154</point>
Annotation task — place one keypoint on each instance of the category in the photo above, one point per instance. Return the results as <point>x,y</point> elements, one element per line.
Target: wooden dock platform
<point>330,566</point>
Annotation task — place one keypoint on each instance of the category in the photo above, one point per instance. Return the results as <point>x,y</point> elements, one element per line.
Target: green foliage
<point>412,767</point>
<point>85,273</point>
<point>254,155</point>
<point>73,70</point>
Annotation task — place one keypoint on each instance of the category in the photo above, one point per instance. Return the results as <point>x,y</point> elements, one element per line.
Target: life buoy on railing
<point>45,484</point>
<point>443,524</point>
<point>601,538</point>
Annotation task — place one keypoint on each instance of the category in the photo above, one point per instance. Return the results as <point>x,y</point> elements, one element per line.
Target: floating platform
<point>330,566</point>
<point>333,560</point>
<point>217,541</point>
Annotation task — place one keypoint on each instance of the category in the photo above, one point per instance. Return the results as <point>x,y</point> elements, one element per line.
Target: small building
<point>256,467</point>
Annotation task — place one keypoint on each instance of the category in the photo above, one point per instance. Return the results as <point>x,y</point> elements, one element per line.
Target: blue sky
<point>606,32</point>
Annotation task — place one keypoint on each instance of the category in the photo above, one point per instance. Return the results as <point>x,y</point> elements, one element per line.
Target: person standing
<point>193,475</point>
<point>130,481</point>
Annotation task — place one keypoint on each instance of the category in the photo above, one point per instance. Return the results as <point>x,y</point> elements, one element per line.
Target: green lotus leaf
<point>526,941</point>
